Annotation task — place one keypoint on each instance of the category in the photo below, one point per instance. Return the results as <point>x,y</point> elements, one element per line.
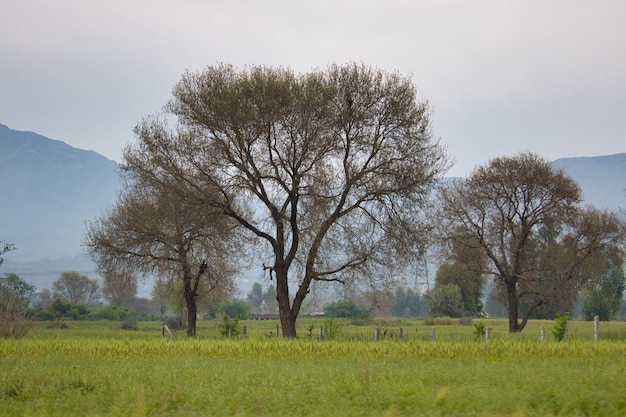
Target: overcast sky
<point>548,76</point>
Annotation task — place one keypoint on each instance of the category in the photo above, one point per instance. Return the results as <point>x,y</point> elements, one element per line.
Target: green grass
<point>96,369</point>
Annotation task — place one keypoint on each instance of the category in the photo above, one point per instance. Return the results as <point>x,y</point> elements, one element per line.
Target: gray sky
<point>502,76</point>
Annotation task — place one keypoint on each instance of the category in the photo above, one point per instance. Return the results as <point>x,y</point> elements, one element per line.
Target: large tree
<point>527,218</point>
<point>153,231</point>
<point>327,170</point>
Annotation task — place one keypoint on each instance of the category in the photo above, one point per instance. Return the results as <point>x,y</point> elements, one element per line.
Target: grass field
<point>96,369</point>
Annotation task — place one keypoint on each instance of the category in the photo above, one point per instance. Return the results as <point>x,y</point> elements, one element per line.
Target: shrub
<point>559,329</point>
<point>229,328</point>
<point>129,323</point>
<point>346,309</point>
<point>332,329</point>
<point>236,308</point>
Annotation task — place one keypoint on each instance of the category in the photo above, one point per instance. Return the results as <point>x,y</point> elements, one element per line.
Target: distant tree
<point>445,300</point>
<point>505,206</point>
<point>255,296</point>
<point>4,248</point>
<point>76,289</point>
<point>120,288</point>
<point>604,292</point>
<point>470,282</point>
<point>236,309</point>
<point>346,309</point>
<point>15,294</point>
<point>409,303</point>
<point>328,171</point>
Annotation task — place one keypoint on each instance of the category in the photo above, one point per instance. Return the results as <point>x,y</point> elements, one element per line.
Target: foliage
<point>120,288</point>
<point>4,248</point>
<point>559,328</point>
<point>526,218</point>
<point>480,329</point>
<point>604,291</point>
<point>15,294</point>
<point>262,301</point>
<point>230,327</point>
<point>332,329</point>
<point>76,289</point>
<point>445,300</point>
<point>346,309</point>
<point>62,309</point>
<point>408,303</point>
<point>325,171</point>
<point>236,308</point>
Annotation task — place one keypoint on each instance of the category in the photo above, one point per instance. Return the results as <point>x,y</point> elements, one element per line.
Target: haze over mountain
<point>49,190</point>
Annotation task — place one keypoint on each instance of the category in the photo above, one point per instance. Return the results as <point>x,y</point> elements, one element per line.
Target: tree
<point>604,291</point>
<point>76,289</point>
<point>327,171</point>
<point>120,288</point>
<point>445,300</point>
<point>4,248</point>
<point>408,303</point>
<point>527,219</point>
<point>152,230</point>
<point>15,295</point>
<point>255,296</point>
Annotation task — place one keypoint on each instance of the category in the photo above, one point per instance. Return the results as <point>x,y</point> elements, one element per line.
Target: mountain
<point>602,178</point>
<point>49,190</point>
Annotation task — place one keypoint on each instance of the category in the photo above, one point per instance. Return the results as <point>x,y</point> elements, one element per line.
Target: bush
<point>346,309</point>
<point>130,323</point>
<point>229,328</point>
<point>236,308</point>
<point>13,323</point>
<point>559,329</point>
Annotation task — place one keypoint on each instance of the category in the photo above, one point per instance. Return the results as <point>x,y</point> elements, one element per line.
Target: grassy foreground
<point>95,369</point>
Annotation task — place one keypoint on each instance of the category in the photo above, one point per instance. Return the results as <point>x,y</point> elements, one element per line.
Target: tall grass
<point>98,369</point>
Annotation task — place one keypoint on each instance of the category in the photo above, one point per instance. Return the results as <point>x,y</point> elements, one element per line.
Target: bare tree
<point>151,230</point>
<point>76,288</point>
<point>327,170</point>
<point>527,219</point>
<point>120,288</point>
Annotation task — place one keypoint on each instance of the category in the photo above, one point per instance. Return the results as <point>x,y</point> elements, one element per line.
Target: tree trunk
<point>511,289</point>
<point>192,309</point>
<point>287,316</point>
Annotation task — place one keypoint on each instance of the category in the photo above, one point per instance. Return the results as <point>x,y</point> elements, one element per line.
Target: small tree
<point>120,288</point>
<point>14,297</point>
<point>409,303</point>
<point>76,288</point>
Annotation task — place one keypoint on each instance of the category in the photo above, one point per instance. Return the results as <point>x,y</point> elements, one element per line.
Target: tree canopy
<point>327,171</point>
<point>527,219</point>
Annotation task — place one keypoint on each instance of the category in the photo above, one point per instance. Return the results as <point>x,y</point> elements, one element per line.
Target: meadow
<point>97,369</point>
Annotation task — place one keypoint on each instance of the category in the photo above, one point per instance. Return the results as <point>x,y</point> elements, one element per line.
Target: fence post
<point>277,332</point>
<point>166,329</point>
<point>321,334</point>
<point>245,330</point>
<point>377,334</point>
<point>596,328</point>
<point>432,334</point>
<point>230,333</point>
<point>401,333</point>
<point>488,334</point>
<point>543,334</point>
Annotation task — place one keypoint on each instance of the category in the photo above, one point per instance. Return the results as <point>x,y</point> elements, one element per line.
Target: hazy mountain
<point>48,191</point>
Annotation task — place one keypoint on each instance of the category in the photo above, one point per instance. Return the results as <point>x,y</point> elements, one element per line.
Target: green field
<point>96,369</point>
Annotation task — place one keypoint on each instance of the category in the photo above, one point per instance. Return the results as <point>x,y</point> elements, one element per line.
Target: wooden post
<point>165,329</point>
<point>543,334</point>
<point>596,328</point>
<point>401,333</point>
<point>488,334</point>
<point>230,333</point>
<point>432,334</point>
<point>377,334</point>
<point>321,335</point>
<point>245,330</point>
<point>277,331</point>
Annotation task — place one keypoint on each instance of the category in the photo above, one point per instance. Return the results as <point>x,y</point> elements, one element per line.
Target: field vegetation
<point>95,368</point>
